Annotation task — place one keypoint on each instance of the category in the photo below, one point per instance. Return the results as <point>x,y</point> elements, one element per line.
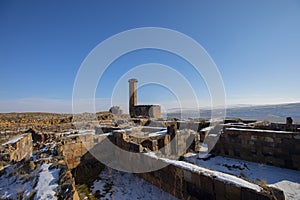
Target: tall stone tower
<point>132,96</point>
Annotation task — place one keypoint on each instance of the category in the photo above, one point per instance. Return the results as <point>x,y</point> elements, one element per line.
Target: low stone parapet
<point>17,148</point>
<point>187,181</point>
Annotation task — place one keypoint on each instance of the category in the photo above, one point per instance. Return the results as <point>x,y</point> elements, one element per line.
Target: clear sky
<point>255,45</point>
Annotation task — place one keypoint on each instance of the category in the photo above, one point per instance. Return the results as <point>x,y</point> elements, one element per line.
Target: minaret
<point>132,96</point>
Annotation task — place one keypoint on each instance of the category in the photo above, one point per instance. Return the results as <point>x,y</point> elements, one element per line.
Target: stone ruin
<point>143,111</point>
<point>246,140</point>
<point>16,149</point>
<point>116,110</point>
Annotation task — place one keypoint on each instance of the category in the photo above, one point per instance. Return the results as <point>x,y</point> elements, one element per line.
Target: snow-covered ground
<point>284,179</point>
<point>47,183</point>
<point>120,185</point>
<point>31,179</point>
<point>40,183</point>
<point>214,173</point>
<point>14,185</point>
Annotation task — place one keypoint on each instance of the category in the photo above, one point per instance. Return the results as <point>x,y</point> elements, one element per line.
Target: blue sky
<point>255,45</point>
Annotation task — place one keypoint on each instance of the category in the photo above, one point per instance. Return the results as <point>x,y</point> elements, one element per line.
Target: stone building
<point>116,110</point>
<point>151,111</point>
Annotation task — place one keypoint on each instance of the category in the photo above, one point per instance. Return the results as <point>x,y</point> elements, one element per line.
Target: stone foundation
<point>278,148</point>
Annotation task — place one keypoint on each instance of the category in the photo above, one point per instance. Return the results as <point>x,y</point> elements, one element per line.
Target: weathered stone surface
<point>262,146</point>
<point>232,191</point>
<point>17,148</point>
<point>246,194</point>
<point>219,187</point>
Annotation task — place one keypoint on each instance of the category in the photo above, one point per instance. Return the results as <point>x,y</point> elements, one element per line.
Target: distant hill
<point>274,113</point>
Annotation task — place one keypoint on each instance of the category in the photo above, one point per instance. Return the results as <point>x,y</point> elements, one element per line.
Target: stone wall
<point>152,111</point>
<point>66,189</point>
<point>188,183</point>
<point>283,127</point>
<point>75,146</point>
<point>17,148</point>
<point>177,179</point>
<point>184,140</point>
<point>278,148</point>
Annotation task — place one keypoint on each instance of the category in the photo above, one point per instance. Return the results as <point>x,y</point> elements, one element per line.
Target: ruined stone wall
<point>276,148</point>
<point>17,148</point>
<point>186,183</point>
<point>74,147</point>
<point>66,189</point>
<point>155,111</point>
<point>182,182</point>
<point>152,111</point>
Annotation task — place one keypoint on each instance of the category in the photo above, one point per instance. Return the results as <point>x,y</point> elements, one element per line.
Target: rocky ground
<point>15,123</point>
<point>45,174</point>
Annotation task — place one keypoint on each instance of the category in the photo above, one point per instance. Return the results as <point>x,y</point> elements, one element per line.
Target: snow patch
<point>120,185</point>
<point>257,130</point>
<point>47,183</point>
<point>284,179</point>
<point>158,133</point>
<point>14,140</point>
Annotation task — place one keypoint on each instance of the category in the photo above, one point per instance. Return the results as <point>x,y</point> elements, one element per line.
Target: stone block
<point>99,139</point>
<point>279,195</point>
<point>269,139</point>
<point>77,152</point>
<point>296,136</point>
<point>87,145</point>
<point>119,134</point>
<point>219,186</point>
<point>251,142</point>
<point>195,192</point>
<point>79,139</point>
<point>247,193</point>
<point>77,159</point>
<point>232,191</point>
<point>75,164</point>
<point>70,160</point>
<point>89,137</point>
<point>71,146</point>
<point>267,151</point>
<point>284,135</point>
<point>231,153</point>
<point>278,140</point>
<point>168,187</point>
<point>295,149</point>
<point>166,177</point>
<point>253,137</point>
<point>187,175</point>
<point>296,161</point>
<point>84,151</point>
<point>206,183</point>
<point>167,139</point>
<point>135,147</point>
